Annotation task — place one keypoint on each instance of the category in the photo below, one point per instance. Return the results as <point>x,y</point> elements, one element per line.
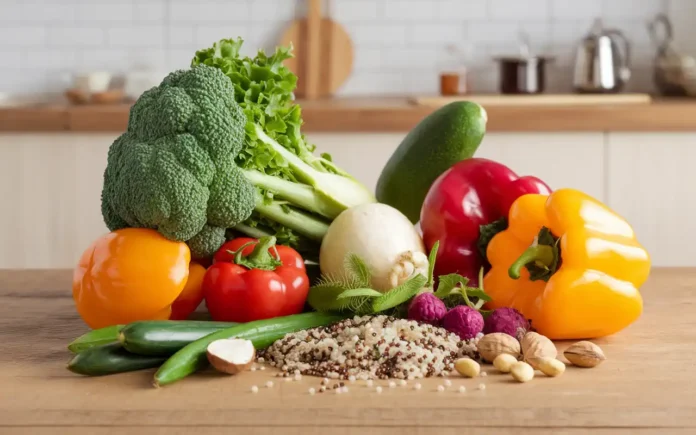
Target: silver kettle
<point>600,65</point>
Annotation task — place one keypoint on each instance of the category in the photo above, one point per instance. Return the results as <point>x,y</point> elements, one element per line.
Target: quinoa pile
<point>370,347</point>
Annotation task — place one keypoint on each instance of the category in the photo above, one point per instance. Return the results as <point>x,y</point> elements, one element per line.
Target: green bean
<point>262,334</point>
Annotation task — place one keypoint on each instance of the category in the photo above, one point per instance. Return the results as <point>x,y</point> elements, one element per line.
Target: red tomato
<point>235,293</point>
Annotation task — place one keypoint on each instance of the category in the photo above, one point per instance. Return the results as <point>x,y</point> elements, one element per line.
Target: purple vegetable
<point>464,321</point>
<point>427,308</point>
<point>507,320</point>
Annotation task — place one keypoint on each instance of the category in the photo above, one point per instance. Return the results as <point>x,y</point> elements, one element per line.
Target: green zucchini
<point>261,332</point>
<point>110,359</point>
<point>165,337</point>
<point>96,337</point>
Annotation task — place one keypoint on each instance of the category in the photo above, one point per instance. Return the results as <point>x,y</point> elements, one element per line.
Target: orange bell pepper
<point>132,274</point>
<point>569,264</point>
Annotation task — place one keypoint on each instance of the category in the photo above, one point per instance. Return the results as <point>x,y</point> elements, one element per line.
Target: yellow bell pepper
<point>569,264</point>
<point>133,274</point>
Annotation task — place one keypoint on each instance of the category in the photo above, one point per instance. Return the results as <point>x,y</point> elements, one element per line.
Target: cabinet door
<point>652,183</point>
<point>51,188</point>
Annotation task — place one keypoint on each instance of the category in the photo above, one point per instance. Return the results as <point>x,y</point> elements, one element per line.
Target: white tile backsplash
<point>399,44</point>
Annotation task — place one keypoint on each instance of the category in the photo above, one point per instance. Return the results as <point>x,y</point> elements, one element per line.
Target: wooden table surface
<point>647,384</point>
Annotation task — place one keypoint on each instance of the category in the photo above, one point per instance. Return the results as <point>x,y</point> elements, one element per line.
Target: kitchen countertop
<point>389,115</point>
<point>647,384</point>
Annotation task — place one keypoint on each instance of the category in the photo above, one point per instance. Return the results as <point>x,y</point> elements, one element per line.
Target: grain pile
<point>370,347</point>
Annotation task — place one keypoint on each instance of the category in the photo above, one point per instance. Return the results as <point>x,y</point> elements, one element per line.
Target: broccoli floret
<point>173,170</point>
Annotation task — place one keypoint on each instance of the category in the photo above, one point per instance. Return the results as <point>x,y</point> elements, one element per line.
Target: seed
<point>345,389</point>
<point>392,384</point>
<point>440,388</point>
<point>467,367</point>
<point>378,390</point>
<point>263,367</point>
<point>484,374</point>
<point>504,362</point>
<point>351,378</point>
<point>417,387</point>
<point>269,384</point>
<point>312,391</point>
<point>324,381</point>
<point>462,389</point>
<point>522,372</point>
<point>254,389</point>
<point>402,383</point>
<point>551,367</point>
<point>448,383</point>
<point>338,390</point>
<point>369,382</point>
<point>322,389</point>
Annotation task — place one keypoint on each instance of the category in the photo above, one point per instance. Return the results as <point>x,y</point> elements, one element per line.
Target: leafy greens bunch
<point>218,148</point>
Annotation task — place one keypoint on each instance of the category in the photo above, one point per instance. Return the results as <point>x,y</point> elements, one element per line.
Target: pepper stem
<point>259,258</point>
<point>539,255</point>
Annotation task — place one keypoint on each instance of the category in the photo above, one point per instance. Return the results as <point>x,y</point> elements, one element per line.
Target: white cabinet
<point>651,182</point>
<point>50,184</point>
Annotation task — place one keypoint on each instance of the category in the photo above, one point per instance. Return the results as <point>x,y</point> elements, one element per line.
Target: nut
<point>503,362</point>
<point>585,354</point>
<point>551,367</point>
<point>536,346</point>
<point>522,372</point>
<point>231,355</point>
<point>492,345</point>
<point>467,367</point>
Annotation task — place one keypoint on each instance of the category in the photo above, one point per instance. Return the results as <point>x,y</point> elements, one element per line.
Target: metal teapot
<point>602,61</point>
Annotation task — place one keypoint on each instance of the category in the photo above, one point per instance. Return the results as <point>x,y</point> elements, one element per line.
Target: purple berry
<point>464,321</point>
<point>427,308</point>
<point>507,320</point>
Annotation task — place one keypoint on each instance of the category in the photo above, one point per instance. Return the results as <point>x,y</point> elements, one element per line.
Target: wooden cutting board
<point>535,100</point>
<point>323,53</point>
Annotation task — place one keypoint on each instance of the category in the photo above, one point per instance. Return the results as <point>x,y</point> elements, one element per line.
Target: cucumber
<point>448,135</point>
<point>110,359</point>
<point>165,337</point>
<point>97,337</point>
<point>261,332</point>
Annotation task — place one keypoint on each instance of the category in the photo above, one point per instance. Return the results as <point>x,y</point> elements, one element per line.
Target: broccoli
<point>216,150</point>
<point>173,169</point>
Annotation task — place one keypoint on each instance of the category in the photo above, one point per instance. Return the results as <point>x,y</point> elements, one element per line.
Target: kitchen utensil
<point>323,53</point>
<point>674,73</point>
<point>536,100</point>
<point>453,72</point>
<point>523,74</point>
<point>600,65</point>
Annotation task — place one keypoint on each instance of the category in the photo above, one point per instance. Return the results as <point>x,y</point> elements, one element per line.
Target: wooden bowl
<point>112,96</point>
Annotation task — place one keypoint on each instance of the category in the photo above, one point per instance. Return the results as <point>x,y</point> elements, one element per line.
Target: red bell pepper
<point>472,196</point>
<point>253,280</point>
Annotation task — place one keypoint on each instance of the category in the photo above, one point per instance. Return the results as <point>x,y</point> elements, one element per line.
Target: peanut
<point>504,362</point>
<point>467,367</point>
<point>551,367</point>
<point>522,372</point>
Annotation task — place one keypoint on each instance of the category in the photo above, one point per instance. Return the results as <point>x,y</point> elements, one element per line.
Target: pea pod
<point>261,332</point>
<point>94,338</point>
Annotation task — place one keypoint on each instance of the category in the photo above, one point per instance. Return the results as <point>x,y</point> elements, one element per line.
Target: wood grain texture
<point>536,100</point>
<point>645,386</point>
<point>375,115</point>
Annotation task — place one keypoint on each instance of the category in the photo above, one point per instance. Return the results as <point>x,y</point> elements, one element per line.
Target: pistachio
<point>585,354</point>
<point>492,345</point>
<point>467,367</point>
<point>535,347</point>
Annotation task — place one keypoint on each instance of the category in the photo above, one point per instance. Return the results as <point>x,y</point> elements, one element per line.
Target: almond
<point>585,354</point>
